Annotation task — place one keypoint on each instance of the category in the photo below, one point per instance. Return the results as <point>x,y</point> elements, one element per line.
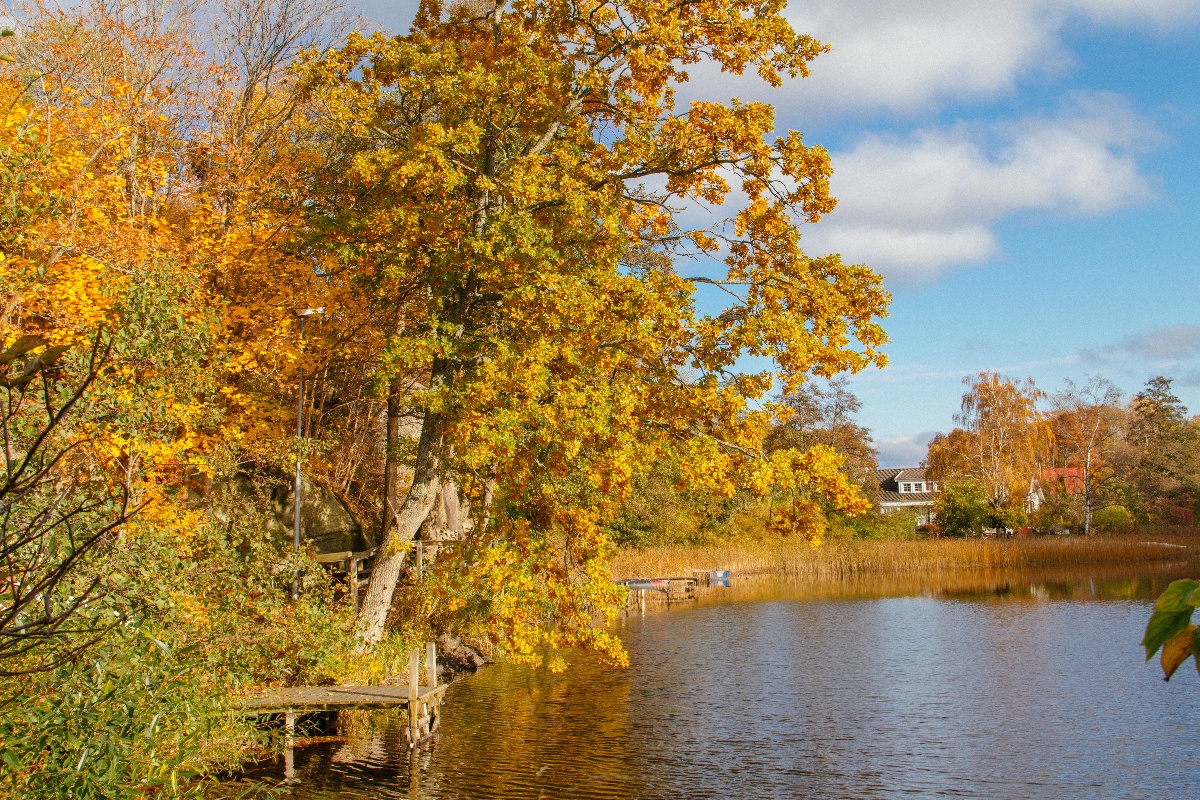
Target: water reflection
<point>999,685</point>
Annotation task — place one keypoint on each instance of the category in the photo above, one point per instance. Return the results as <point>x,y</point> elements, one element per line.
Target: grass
<point>845,559</point>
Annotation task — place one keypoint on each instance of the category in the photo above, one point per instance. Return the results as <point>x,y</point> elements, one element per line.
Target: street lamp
<point>303,315</point>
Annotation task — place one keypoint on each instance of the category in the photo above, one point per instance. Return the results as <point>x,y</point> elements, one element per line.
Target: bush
<point>900,524</point>
<point>1006,518</point>
<point>131,719</point>
<point>962,509</point>
<point>195,616</point>
<point>1114,519</point>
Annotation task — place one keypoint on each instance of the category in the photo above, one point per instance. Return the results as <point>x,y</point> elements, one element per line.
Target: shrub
<point>900,524</point>
<point>962,509</point>
<point>1114,519</point>
<point>194,616</point>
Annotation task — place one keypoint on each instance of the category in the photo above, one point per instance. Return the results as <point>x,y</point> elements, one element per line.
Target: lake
<point>985,686</point>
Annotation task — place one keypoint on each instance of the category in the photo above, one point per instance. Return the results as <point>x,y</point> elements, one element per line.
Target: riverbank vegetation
<point>1083,460</point>
<point>458,256</point>
<point>842,559</point>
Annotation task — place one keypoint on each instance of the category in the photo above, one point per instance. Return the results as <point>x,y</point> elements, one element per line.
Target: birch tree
<point>1085,428</point>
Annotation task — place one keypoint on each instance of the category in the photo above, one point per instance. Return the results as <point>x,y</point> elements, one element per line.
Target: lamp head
<point>308,312</point>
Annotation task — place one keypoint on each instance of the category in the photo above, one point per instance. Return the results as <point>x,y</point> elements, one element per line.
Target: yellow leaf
<point>1176,651</point>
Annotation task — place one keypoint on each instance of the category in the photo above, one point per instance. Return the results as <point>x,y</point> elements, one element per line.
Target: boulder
<point>325,522</point>
<point>456,657</point>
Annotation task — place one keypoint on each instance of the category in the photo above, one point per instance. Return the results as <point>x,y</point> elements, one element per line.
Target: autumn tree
<point>1001,442</point>
<point>825,415</point>
<point>493,177</point>
<point>1086,425</point>
<point>118,380</point>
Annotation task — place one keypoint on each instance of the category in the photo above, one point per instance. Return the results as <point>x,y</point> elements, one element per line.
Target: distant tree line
<point>1083,459</point>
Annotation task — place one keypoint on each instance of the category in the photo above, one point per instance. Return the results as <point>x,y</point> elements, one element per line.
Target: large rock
<point>456,657</point>
<point>325,522</point>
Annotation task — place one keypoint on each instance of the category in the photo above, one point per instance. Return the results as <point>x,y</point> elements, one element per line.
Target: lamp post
<point>298,491</point>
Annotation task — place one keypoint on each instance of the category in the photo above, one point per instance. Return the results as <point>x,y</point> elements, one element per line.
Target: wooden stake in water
<point>414,685</point>
<point>289,763</point>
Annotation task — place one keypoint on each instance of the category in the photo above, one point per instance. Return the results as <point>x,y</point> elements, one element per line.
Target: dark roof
<point>889,486</point>
<point>907,497</point>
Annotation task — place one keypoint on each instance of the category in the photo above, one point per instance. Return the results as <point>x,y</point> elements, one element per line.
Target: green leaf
<point>1196,647</point>
<point>1177,596</point>
<point>1163,626</point>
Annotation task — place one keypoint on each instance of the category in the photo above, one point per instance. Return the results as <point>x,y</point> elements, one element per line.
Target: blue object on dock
<point>720,577</point>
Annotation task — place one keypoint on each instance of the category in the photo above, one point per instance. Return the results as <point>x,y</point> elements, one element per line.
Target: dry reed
<point>842,559</point>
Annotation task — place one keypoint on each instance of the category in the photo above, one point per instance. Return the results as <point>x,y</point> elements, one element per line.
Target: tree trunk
<point>1087,494</point>
<point>391,467</point>
<point>452,520</point>
<point>401,527</point>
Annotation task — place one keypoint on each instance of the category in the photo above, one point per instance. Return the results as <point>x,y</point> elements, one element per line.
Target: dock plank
<point>328,698</point>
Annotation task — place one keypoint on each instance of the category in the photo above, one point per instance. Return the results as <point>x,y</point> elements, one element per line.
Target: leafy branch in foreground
<point>49,518</point>
<point>1170,627</point>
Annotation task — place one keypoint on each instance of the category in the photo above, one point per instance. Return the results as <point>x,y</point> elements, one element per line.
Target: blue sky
<point>1026,177</point>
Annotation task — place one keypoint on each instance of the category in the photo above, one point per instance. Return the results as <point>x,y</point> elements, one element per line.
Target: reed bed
<point>844,559</point>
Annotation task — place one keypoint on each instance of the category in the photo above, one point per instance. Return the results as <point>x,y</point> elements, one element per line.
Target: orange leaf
<point>1176,651</point>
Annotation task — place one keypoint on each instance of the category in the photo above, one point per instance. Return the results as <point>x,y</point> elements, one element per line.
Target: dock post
<point>420,559</point>
<point>352,574</point>
<point>289,762</point>
<point>642,599</point>
<point>414,683</point>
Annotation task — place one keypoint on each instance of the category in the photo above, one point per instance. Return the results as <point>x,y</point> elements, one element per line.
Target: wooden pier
<point>421,702</point>
<point>673,590</point>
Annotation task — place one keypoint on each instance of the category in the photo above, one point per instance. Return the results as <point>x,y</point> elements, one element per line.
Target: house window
<point>917,487</point>
<point>906,488</point>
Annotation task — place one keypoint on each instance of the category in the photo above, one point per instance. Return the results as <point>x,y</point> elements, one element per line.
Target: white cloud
<point>913,207</point>
<point>904,451</point>
<point>910,55</point>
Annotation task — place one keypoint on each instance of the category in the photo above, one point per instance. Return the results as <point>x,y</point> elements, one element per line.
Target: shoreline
<point>856,558</point>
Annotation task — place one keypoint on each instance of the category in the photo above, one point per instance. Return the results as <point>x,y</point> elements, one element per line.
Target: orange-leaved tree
<point>505,183</point>
<point>1001,442</point>
<point>1087,425</point>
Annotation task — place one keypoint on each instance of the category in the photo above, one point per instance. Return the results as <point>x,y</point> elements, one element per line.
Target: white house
<point>907,488</point>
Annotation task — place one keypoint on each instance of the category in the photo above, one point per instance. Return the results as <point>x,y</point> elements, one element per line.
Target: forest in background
<point>1082,460</point>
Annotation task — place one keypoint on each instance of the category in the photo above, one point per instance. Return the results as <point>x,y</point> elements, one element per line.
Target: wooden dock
<point>421,702</point>
<point>334,698</point>
<point>672,589</point>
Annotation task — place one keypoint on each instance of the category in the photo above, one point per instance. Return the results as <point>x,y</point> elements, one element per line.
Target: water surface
<point>972,686</point>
